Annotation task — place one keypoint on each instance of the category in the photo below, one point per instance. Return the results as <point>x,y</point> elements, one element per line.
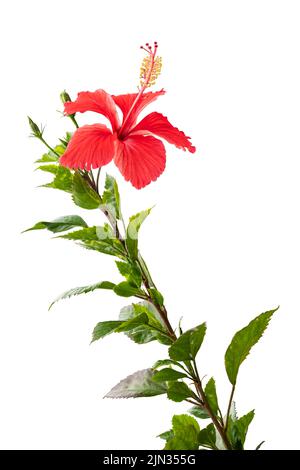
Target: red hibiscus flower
<point>140,157</point>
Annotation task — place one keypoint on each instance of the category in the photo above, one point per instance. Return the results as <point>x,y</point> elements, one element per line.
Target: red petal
<point>91,146</point>
<point>159,125</point>
<point>98,101</point>
<point>140,159</point>
<point>126,101</point>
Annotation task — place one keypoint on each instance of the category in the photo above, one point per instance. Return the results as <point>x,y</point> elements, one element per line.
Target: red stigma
<point>148,48</point>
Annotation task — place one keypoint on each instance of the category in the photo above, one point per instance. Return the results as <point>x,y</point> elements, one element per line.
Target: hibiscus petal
<point>126,101</point>
<point>159,125</point>
<point>140,159</point>
<point>91,146</point>
<point>98,101</point>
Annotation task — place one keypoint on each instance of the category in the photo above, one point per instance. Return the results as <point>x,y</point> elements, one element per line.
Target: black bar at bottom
<point>137,458</point>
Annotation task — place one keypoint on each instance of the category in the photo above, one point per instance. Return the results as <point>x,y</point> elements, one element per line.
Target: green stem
<point>229,406</point>
<point>48,146</point>
<point>97,179</point>
<point>144,267</point>
<point>202,396</point>
<point>72,117</point>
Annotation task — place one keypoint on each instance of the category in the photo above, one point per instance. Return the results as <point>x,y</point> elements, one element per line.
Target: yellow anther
<point>150,70</point>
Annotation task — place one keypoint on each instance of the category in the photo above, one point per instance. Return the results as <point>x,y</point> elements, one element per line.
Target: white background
<point>222,241</point>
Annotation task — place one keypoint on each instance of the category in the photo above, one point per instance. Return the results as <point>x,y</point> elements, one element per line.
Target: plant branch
<point>202,396</point>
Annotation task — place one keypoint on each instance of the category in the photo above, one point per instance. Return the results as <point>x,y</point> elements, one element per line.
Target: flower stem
<point>72,117</point>
<point>48,146</point>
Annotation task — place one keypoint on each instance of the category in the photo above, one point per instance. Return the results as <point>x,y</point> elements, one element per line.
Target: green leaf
<point>237,430</point>
<point>184,435</point>
<point>179,391</point>
<point>207,437</point>
<point>139,384</point>
<point>188,344</point>
<point>129,325</point>
<point>85,234</point>
<point>156,296</point>
<point>130,272</point>
<point>47,158</point>
<point>165,362</point>
<point>105,328</point>
<point>53,169</point>
<point>103,247</point>
<point>153,315</point>
<point>111,197</point>
<point>133,228</point>
<point>63,177</point>
<point>83,195</point>
<point>243,341</point>
<point>60,149</point>
<point>83,290</point>
<point>232,411</point>
<point>211,395</point>
<point>60,225</point>
<point>166,435</point>
<point>90,238</point>
<point>154,330</point>
<point>199,412</point>
<point>168,374</point>
<point>124,289</point>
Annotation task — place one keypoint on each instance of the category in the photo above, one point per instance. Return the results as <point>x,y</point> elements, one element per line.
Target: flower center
<point>150,70</point>
<point>151,66</point>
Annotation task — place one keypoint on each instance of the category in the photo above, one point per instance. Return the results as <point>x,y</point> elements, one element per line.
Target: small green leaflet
<point>243,341</point>
<point>104,247</point>
<point>130,272</point>
<point>53,169</point>
<point>60,224</point>
<point>63,179</point>
<point>165,362</point>
<point>184,434</point>
<point>83,290</point>
<point>139,384</point>
<point>237,430</point>
<point>89,237</point>
<point>111,197</point>
<point>199,412</point>
<point>168,374</point>
<point>133,228</point>
<point>49,157</point>
<point>211,395</point>
<point>131,324</point>
<point>166,435</point>
<point>188,344</point>
<point>85,234</point>
<point>153,330</point>
<point>207,437</point>
<point>124,289</point>
<point>156,296</point>
<point>104,328</point>
<point>83,195</point>
<point>179,391</point>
